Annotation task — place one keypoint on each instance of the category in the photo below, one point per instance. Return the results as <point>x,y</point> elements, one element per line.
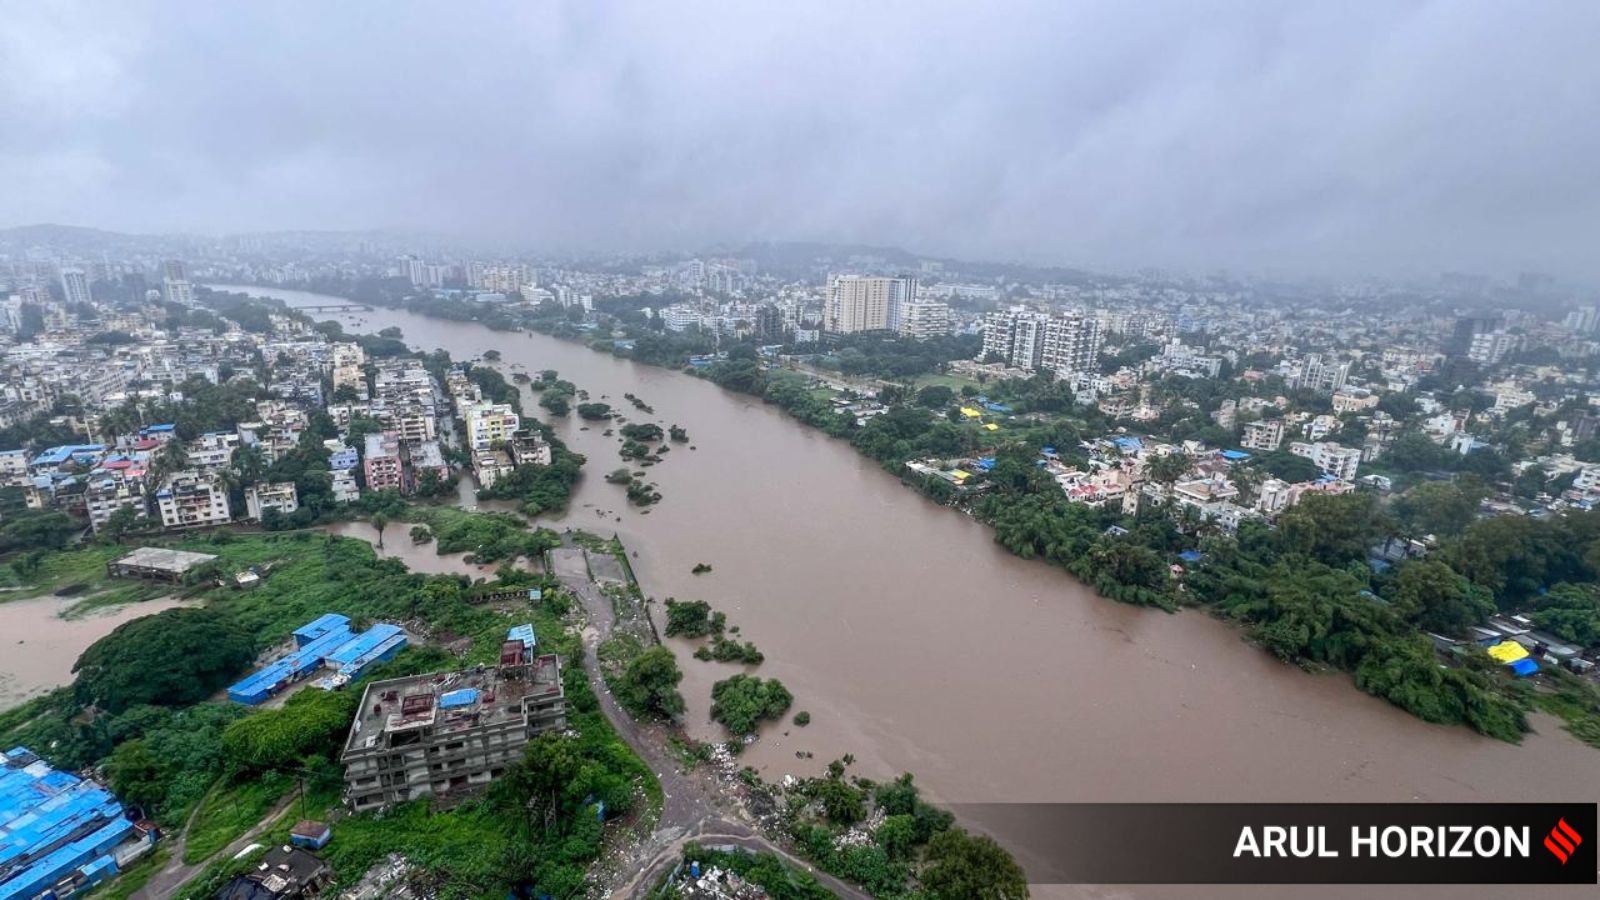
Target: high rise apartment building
<point>857,303</point>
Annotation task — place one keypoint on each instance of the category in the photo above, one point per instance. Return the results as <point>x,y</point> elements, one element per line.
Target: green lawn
<point>953,382</point>
<point>70,568</point>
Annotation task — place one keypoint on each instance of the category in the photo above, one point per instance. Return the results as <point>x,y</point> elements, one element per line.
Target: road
<point>176,873</point>
<point>695,808</point>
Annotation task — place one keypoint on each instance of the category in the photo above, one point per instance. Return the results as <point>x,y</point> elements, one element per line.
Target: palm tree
<point>380,522</point>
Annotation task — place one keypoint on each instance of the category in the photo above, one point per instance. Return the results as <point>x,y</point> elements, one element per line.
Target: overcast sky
<point>1392,138</point>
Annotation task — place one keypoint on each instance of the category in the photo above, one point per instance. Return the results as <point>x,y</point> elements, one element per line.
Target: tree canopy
<point>173,658</point>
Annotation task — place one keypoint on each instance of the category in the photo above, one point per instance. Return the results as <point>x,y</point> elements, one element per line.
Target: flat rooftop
<point>163,559</point>
<point>449,702</point>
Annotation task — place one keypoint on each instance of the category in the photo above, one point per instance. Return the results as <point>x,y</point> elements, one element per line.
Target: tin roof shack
<point>284,873</point>
<point>447,734</point>
<point>59,834</point>
<point>156,563</point>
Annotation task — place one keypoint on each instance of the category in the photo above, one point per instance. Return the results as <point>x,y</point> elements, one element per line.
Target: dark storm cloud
<point>1321,137</point>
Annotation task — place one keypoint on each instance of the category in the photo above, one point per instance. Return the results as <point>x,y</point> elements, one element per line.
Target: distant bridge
<point>335,308</point>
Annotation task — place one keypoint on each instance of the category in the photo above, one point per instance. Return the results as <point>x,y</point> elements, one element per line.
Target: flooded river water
<point>38,647</point>
<point>919,645</point>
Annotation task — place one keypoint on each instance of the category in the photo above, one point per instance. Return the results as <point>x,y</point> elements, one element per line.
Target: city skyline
<point>1307,141</point>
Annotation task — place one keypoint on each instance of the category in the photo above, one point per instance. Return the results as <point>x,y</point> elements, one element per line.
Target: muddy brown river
<point>38,646</point>
<point>919,645</point>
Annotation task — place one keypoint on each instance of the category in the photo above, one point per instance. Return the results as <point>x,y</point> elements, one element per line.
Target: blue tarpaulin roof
<point>1235,454</point>
<point>523,633</point>
<point>463,697</point>
<point>1191,556</point>
<point>363,643</point>
<point>320,626</point>
<point>51,824</point>
<point>1524,666</point>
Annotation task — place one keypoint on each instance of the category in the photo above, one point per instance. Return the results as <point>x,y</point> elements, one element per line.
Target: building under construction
<point>447,734</point>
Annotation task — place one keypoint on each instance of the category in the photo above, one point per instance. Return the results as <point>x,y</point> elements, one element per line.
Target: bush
<point>692,619</point>
<point>802,718</point>
<point>742,702</point>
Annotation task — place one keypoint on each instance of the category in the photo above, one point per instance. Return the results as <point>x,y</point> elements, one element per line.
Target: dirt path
<point>695,808</point>
<point>177,873</point>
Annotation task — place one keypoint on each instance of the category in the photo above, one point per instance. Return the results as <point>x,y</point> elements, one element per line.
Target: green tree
<point>1334,528</point>
<point>1168,468</point>
<point>963,866</point>
<point>173,658</point>
<point>935,396</point>
<point>1442,508</point>
<point>1570,611</point>
<point>742,702</point>
<point>1437,598</point>
<point>379,523</point>
<point>649,684</point>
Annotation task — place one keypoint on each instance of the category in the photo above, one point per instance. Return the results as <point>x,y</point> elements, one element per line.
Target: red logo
<point>1563,841</point>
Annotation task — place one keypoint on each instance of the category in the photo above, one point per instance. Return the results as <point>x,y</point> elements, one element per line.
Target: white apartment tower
<point>857,303</point>
<point>1065,345</point>
<point>75,285</point>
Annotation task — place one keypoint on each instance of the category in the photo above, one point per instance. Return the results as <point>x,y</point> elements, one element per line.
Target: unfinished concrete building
<point>445,735</point>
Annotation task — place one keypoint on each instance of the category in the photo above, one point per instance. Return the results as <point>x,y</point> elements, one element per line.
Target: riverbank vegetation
<point>887,839</point>
<point>139,710</point>
<point>1302,589</point>
<point>766,870</point>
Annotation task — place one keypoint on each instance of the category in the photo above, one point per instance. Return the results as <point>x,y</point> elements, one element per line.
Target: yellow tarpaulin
<point>960,475</point>
<point>970,413</point>
<point>1508,651</point>
<point>991,427</point>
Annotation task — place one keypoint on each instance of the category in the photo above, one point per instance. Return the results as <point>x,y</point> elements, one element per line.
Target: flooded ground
<point>38,647</point>
<point>397,544</point>
<point>919,645</point>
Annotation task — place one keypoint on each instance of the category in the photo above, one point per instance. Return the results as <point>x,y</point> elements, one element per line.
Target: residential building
<point>1491,347</point>
<point>1181,360</point>
<point>488,423</point>
<point>345,489</point>
<point>1332,459</point>
<point>175,284</point>
<point>445,735</point>
<point>193,500</point>
<point>1511,398</point>
<point>856,303</point>
<point>1065,345</point>
<point>278,495</point>
<point>923,319</point>
<point>1314,373</point>
<point>1071,345</point>
<point>1353,400</point>
<point>1015,338</point>
<point>490,466</point>
<point>109,491</point>
<point>283,873</point>
<point>75,286</point>
<point>530,450</point>
<point>1263,434</point>
<point>341,457</point>
<point>384,463</point>
<point>680,317</point>
<point>348,360</point>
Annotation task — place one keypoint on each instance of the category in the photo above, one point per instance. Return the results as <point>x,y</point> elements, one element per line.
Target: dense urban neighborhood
<point>1394,481</point>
